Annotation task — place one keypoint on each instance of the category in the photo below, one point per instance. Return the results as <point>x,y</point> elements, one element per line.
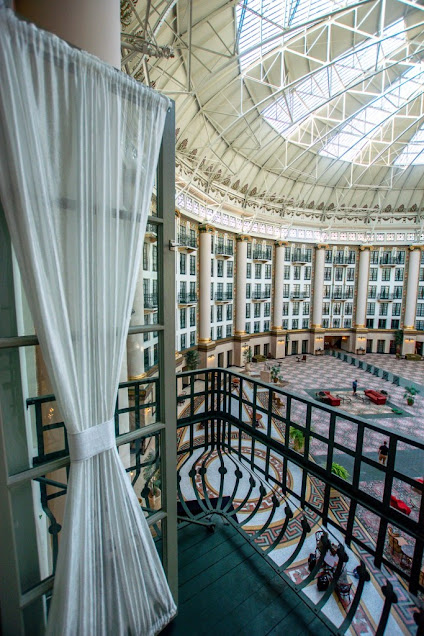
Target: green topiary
<point>339,471</point>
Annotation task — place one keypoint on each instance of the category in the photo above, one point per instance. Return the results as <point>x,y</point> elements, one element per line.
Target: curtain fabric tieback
<point>92,441</point>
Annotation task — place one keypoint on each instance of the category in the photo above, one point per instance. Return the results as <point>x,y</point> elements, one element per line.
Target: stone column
<point>317,331</point>
<point>241,265</point>
<point>361,298</point>
<point>205,344</point>
<point>278,335</point>
<point>94,26</point>
<point>408,345</point>
<point>318,286</point>
<point>205,242</point>
<point>363,274</point>
<point>412,287</point>
<point>240,336</point>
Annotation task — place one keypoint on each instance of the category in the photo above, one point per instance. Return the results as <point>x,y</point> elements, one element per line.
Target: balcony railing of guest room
<point>254,464</point>
<point>240,417</point>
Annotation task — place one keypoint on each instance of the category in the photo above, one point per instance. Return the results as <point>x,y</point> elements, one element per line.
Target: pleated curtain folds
<point>79,147</point>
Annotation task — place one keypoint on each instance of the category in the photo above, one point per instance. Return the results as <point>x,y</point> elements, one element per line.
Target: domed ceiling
<point>306,110</point>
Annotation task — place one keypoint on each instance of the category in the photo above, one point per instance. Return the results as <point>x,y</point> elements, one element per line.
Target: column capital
<point>177,213</point>
<point>206,228</point>
<point>415,247</point>
<point>243,238</point>
<point>321,246</point>
<point>281,243</point>
<point>362,248</point>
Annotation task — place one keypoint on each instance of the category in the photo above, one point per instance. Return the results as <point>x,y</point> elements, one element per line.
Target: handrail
<point>225,424</point>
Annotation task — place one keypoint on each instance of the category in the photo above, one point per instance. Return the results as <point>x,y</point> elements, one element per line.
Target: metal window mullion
<point>167,403</point>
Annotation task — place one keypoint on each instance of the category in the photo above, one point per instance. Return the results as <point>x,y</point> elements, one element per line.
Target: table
<point>407,554</point>
<point>331,560</point>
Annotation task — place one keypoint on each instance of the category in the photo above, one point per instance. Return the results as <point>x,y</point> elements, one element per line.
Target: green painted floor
<point>226,588</point>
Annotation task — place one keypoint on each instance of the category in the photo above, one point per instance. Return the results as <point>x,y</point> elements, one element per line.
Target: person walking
<point>383,451</point>
<point>354,386</point>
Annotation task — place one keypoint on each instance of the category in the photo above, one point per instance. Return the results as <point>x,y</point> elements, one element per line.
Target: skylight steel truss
<point>222,138</point>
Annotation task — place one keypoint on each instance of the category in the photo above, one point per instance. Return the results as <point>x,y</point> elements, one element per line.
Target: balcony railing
<point>185,240</point>
<point>301,257</point>
<point>260,254</point>
<point>238,460</point>
<point>224,250</point>
<point>150,301</point>
<point>344,260</point>
<point>223,297</point>
<point>244,467</point>
<point>187,298</point>
<point>300,295</point>
<point>151,234</point>
<point>261,295</point>
<point>342,296</point>
<point>389,259</point>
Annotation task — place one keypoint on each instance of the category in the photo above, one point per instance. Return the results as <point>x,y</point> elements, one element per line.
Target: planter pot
<point>298,446</point>
<point>410,401</point>
<point>155,500</point>
<point>248,366</point>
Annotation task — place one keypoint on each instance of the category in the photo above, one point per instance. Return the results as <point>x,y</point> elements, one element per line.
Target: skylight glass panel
<point>261,20</point>
<point>316,90</point>
<point>355,134</point>
<point>413,153</point>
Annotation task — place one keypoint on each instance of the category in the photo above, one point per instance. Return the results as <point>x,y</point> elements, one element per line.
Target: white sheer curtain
<point>79,147</point>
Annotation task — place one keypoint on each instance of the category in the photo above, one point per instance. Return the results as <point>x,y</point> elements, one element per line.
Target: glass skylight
<point>413,153</point>
<point>316,90</point>
<point>260,20</point>
<point>354,135</point>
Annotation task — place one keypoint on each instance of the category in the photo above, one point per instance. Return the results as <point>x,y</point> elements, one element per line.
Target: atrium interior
<point>276,337</point>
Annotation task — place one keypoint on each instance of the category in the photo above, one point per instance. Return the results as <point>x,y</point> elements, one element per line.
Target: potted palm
<point>339,471</point>
<point>152,476</point>
<point>275,373</point>
<point>298,438</point>
<point>409,395</point>
<point>247,356</point>
<point>398,336</point>
<point>192,359</point>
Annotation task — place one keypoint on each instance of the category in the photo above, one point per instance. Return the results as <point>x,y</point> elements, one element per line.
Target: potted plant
<point>409,395</point>
<point>339,471</point>
<point>275,373</point>
<point>192,359</point>
<point>298,438</point>
<point>152,476</point>
<point>398,342</point>
<point>247,356</point>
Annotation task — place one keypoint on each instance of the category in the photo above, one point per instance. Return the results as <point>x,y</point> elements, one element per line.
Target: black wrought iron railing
<point>187,240</point>
<point>300,295</point>
<point>150,301</point>
<point>240,456</point>
<point>224,250</point>
<point>344,260</point>
<point>187,298</point>
<point>261,295</point>
<point>389,259</point>
<point>301,257</point>
<point>223,296</point>
<point>137,405</point>
<point>260,254</point>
